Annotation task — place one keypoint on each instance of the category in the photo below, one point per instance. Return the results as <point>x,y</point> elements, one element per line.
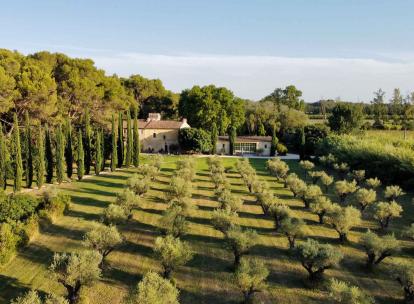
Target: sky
<point>327,48</point>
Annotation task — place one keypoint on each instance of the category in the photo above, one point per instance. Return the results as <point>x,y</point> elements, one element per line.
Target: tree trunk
<point>321,215</point>
<point>342,237</point>
<point>237,257</point>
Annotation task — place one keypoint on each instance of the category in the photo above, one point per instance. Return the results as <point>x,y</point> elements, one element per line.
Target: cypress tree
<point>18,163</point>
<point>60,148</point>
<point>214,138</point>
<point>98,153</point>
<point>29,152</point>
<point>101,134</point>
<point>261,129</point>
<point>274,143</point>
<point>81,157</point>
<point>87,143</point>
<point>114,156</point>
<point>136,142</point>
<point>232,139</point>
<point>129,146</point>
<point>3,159</point>
<point>120,141</point>
<point>69,149</point>
<point>49,156</point>
<point>302,143</point>
<point>40,160</point>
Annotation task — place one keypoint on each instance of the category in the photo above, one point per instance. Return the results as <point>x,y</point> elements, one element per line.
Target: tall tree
<point>346,118</point>
<point>302,143</point>
<point>40,160</point>
<point>69,149</point>
<point>214,138</point>
<point>114,156</point>
<point>60,150</point>
<point>275,141</point>
<point>3,159</point>
<point>18,163</point>
<point>232,139</point>
<point>81,157</point>
<point>49,156</point>
<point>129,147</point>
<point>120,138</point>
<point>28,152</point>
<point>87,143</point>
<point>102,150</point>
<point>136,142</point>
<point>379,108</point>
<point>98,153</point>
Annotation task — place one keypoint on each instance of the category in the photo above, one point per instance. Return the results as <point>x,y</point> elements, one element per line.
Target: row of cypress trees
<point>46,156</point>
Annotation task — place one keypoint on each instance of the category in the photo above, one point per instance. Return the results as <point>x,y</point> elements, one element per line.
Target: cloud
<point>253,77</point>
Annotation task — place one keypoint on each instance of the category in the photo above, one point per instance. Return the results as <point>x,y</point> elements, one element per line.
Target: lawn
<point>208,277</point>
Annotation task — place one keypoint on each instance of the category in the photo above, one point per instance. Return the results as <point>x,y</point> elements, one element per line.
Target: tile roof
<point>252,138</point>
<point>158,124</point>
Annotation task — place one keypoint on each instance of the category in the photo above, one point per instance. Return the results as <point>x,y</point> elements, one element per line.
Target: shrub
<point>281,149</point>
<point>26,230</point>
<point>15,207</point>
<point>194,140</point>
<point>8,243</point>
<point>55,204</point>
<point>342,292</point>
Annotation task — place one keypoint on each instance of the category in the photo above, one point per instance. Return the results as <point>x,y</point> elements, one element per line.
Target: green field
<point>207,278</point>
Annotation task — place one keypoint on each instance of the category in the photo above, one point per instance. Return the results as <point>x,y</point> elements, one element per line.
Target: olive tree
<point>342,292</point>
<point>385,211</point>
<point>373,183</point>
<point>114,214</point>
<point>240,241</point>
<point>32,297</point>
<point>76,270</point>
<point>293,228</point>
<point>312,192</point>
<point>174,222</point>
<point>279,211</point>
<point>306,165</point>
<point>148,171</point>
<point>321,206</point>
<point>326,180</point>
<point>127,199</point>
<point>278,168</point>
<point>342,168</point>
<point>178,189</point>
<point>359,176</point>
<point>229,200</point>
<point>139,185</point>
<point>404,274</point>
<point>409,232</point>
<point>154,289</point>
<point>265,199</point>
<point>315,176</point>
<point>172,252</point>
<point>103,239</point>
<point>296,185</point>
<point>378,248</point>
<point>343,219</point>
<point>393,192</point>
<point>224,219</point>
<point>250,278</point>
<point>316,257</point>
<point>343,188</point>
<point>365,197</point>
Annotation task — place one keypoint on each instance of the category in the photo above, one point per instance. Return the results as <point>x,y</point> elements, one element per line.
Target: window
<point>265,146</point>
<point>154,135</point>
<point>224,145</point>
<point>245,148</point>
<point>164,136</point>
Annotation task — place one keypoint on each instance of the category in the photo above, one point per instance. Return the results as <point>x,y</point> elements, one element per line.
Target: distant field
<point>207,278</point>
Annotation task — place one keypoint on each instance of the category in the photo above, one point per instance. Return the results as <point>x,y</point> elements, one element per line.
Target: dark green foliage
<point>214,138</point>
<point>261,129</point>
<point>289,96</point>
<point>114,156</point>
<point>232,138</point>
<point>314,134</point>
<point>273,146</point>
<point>194,140</point>
<point>81,157</point>
<point>98,153</point>
<point>302,144</point>
<point>60,150</point>
<point>103,150</point>
<point>48,156</point>
<point>17,207</point>
<point>28,152</point>
<point>136,142</point>
<point>18,163</point>
<point>87,143</point>
<point>69,149</point>
<point>346,118</point>
<point>120,144</point>
<point>40,159</point>
<point>129,147</point>
<point>3,159</point>
<point>9,242</point>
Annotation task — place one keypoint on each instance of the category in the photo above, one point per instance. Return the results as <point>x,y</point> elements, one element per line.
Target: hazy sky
<point>327,48</point>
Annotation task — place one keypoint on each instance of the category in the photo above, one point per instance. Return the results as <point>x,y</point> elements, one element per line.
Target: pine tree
<point>40,160</point>
<point>3,159</point>
<point>98,153</point>
<point>129,146</point>
<point>49,156</point>
<point>302,144</point>
<point>136,142</point>
<point>18,163</point>
<point>214,138</point>
<point>69,149</point>
<point>120,141</point>
<point>29,152</point>
<point>81,157</point>
<point>232,139</point>
<point>114,156</point>
<point>274,143</point>
<point>87,143</point>
<point>60,148</point>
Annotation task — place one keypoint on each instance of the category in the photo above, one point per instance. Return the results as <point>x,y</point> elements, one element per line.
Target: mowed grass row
<point>207,278</point>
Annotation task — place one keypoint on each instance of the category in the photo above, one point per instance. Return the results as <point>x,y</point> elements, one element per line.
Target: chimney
<point>154,116</point>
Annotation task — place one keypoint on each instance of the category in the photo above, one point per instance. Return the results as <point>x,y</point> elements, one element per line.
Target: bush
<point>54,204</point>
<point>8,242</point>
<point>281,149</point>
<point>26,230</point>
<point>16,207</point>
<point>194,140</point>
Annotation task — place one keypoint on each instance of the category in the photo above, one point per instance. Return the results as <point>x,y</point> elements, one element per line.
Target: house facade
<point>245,145</point>
<point>158,135</point>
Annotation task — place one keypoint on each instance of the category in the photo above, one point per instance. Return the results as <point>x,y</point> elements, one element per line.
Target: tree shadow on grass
<point>83,215</point>
<point>216,297</point>
<point>216,241</point>
<point>112,275</point>
<point>96,192</point>
<point>53,229</point>
<point>153,211</point>
<point>203,197</point>
<point>206,208</point>
<point>105,183</point>
<point>10,288</point>
<point>199,220</point>
<point>209,263</point>
<point>88,201</point>
<point>205,188</point>
<point>135,248</point>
